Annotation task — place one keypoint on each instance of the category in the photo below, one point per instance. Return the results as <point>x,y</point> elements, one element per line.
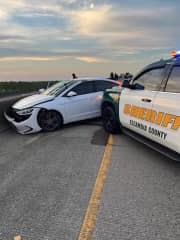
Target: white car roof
<point>92,78</point>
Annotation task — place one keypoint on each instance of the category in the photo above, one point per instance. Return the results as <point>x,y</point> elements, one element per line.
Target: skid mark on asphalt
<point>31,140</point>
<point>89,122</point>
<point>4,129</point>
<point>100,137</point>
<point>89,221</point>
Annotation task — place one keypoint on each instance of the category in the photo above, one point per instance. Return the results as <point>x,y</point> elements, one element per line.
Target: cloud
<point>34,55</point>
<point>135,28</point>
<point>33,59</point>
<point>89,59</point>
<point>90,22</point>
<point>111,31</point>
<point>5,37</point>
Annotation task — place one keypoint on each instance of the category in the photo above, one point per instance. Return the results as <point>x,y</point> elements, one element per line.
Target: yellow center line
<point>89,221</point>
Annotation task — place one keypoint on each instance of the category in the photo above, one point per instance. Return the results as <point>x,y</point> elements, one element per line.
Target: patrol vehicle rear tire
<point>109,120</point>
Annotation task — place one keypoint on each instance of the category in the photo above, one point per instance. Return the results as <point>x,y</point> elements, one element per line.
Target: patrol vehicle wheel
<point>49,121</point>
<point>109,120</point>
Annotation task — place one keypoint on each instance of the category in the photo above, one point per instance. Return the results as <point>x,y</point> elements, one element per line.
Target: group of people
<point>113,76</point>
<point>122,76</point>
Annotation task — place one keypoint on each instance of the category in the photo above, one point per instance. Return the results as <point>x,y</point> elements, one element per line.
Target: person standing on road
<point>74,76</point>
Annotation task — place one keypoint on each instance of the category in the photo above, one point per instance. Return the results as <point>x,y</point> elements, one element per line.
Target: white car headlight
<point>26,111</point>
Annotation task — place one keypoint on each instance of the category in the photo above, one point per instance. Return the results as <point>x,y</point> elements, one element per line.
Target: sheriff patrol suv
<point>148,107</point>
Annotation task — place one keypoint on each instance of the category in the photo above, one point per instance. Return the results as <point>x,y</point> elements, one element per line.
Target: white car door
<point>136,104</point>
<point>167,131</point>
<point>80,107</point>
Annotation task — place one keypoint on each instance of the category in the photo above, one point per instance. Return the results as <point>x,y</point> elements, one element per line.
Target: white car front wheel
<point>49,120</point>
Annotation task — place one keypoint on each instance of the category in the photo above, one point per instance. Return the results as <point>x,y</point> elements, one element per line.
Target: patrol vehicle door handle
<point>146,100</point>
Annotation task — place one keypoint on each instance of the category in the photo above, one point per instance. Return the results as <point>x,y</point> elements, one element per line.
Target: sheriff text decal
<point>163,119</point>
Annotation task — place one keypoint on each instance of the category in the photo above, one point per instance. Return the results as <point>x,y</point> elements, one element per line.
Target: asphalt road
<point>46,181</point>
<point>141,198</point>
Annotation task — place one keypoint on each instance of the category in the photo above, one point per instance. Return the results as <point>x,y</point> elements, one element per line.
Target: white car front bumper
<point>25,127</point>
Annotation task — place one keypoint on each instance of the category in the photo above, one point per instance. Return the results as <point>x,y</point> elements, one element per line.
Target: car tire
<point>110,122</point>
<point>49,120</point>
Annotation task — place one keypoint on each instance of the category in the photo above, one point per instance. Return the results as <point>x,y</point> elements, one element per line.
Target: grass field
<point>10,88</point>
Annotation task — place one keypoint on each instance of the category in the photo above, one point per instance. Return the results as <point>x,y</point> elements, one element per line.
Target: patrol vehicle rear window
<point>173,84</point>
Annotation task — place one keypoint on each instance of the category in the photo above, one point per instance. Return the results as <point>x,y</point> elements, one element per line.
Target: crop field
<point>10,88</point>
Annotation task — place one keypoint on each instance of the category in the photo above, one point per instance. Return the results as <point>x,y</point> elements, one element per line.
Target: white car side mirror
<point>71,94</point>
<point>41,90</point>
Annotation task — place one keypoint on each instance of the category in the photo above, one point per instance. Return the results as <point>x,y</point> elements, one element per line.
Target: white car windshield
<point>58,88</point>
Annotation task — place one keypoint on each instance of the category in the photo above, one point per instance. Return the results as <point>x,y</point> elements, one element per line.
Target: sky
<point>51,39</point>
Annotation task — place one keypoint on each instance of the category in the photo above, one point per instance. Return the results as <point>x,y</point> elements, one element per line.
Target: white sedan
<point>65,102</point>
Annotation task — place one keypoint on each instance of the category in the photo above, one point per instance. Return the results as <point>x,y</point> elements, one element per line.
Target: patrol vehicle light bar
<point>175,54</point>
